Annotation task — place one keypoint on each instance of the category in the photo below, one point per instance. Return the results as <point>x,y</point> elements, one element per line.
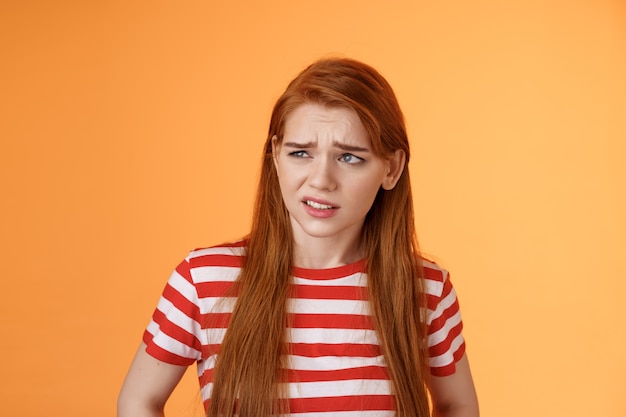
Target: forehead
<point>314,121</point>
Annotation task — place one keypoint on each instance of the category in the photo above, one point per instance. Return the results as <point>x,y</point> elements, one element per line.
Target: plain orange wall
<point>131,133</point>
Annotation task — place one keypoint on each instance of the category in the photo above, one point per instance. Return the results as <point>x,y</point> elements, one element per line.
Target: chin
<point>320,233</point>
<point>325,231</point>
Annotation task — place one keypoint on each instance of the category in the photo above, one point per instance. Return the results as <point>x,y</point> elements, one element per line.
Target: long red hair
<point>250,364</point>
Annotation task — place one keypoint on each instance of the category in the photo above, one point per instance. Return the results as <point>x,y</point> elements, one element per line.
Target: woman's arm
<point>147,386</point>
<point>454,395</point>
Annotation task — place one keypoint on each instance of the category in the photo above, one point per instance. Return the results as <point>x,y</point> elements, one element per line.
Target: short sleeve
<point>446,345</point>
<point>173,333</point>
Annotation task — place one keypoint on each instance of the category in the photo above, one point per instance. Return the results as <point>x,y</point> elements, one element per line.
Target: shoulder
<point>435,278</point>
<point>226,254</point>
<point>220,263</point>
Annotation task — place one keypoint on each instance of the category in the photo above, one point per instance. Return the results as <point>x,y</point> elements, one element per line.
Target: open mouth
<point>318,206</point>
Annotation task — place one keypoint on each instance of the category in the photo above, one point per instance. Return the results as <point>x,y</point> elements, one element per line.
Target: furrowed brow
<point>349,148</point>
<point>300,144</point>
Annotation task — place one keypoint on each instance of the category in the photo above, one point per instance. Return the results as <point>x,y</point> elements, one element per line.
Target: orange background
<point>131,133</point>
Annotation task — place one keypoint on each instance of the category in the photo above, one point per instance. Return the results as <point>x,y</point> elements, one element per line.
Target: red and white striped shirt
<point>335,364</point>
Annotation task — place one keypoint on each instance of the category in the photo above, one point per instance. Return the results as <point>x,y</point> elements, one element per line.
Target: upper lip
<point>320,201</point>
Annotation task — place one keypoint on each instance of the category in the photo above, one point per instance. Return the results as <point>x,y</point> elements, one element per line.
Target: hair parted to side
<point>251,364</point>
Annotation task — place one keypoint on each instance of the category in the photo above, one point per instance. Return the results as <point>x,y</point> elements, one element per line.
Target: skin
<point>148,385</point>
<point>325,157</point>
<point>455,395</point>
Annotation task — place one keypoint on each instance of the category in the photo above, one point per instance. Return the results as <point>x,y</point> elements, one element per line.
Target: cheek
<point>290,178</point>
<point>287,186</point>
<point>365,194</point>
<point>371,185</point>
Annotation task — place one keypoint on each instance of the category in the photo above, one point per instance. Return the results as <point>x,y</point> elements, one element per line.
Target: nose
<point>322,174</point>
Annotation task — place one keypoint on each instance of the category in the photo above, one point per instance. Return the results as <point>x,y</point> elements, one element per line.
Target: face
<point>328,173</point>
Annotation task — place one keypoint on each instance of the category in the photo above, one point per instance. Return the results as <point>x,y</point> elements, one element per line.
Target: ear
<point>275,150</point>
<point>395,168</point>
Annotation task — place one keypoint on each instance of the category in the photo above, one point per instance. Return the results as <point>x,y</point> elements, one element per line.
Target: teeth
<point>318,205</point>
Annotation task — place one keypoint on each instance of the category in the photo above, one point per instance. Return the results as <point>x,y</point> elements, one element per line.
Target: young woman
<point>327,307</point>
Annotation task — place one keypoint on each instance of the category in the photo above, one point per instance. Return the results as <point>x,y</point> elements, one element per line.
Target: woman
<point>327,307</point>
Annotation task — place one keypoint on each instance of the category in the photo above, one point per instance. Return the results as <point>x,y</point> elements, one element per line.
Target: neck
<point>326,252</point>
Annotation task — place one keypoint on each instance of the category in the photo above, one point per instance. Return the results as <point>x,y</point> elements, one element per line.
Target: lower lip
<point>321,214</point>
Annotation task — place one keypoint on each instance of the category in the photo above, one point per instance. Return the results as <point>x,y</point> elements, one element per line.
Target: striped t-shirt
<point>335,363</point>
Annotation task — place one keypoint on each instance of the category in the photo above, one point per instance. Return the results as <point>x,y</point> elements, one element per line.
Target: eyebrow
<point>336,144</point>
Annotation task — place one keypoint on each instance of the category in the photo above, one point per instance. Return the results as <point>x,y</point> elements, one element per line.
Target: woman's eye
<point>350,159</point>
<point>299,154</point>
